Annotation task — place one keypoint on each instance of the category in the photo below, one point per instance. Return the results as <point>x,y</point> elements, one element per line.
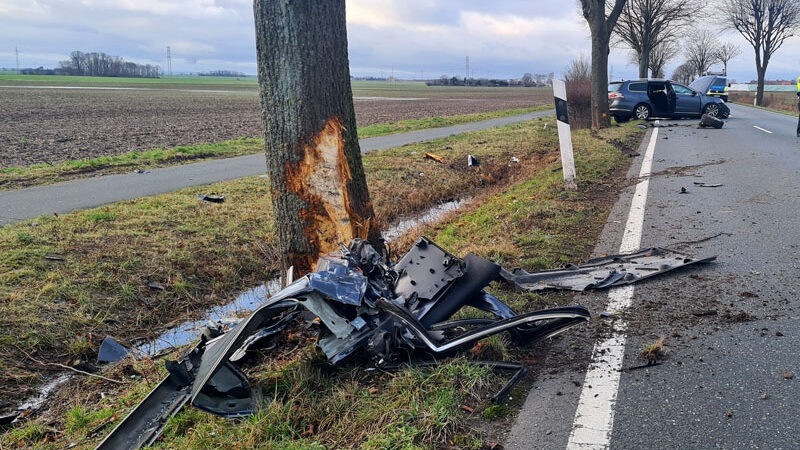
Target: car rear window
<point>637,87</point>
<point>614,87</point>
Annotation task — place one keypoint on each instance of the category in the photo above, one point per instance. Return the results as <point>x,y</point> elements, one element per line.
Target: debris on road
<point>709,185</point>
<point>212,198</point>
<point>366,305</point>
<point>436,158</point>
<point>711,122</point>
<point>787,375</point>
<point>653,352</point>
<point>684,191</point>
<point>605,272</point>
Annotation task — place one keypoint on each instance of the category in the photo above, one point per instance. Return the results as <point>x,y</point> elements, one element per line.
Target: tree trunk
<point>319,192</point>
<point>762,73</point>
<point>600,49</point>
<point>644,64</point>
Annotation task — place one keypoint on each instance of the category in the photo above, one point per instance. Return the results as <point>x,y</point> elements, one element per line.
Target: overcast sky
<point>503,38</point>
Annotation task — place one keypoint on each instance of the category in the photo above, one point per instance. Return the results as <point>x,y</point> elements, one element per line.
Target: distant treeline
<point>527,80</point>
<point>223,73</point>
<point>98,64</point>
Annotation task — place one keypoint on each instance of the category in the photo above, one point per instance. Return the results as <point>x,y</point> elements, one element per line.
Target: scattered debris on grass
<point>212,198</point>
<point>433,157</point>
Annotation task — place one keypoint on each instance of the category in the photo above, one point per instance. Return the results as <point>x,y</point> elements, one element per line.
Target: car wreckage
<point>363,303</point>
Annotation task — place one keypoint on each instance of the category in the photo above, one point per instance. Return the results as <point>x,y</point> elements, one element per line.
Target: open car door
<point>662,97</point>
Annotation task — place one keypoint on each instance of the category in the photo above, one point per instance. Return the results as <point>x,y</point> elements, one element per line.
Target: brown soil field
<point>53,125</point>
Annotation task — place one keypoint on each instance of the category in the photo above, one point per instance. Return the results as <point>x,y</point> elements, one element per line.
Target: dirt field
<point>45,125</point>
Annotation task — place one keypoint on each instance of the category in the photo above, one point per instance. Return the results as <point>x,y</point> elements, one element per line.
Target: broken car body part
<point>603,273</point>
<point>365,304</point>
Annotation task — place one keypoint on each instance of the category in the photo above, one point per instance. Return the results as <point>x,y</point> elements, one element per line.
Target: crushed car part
<point>606,272</point>
<point>366,304</point>
<point>111,351</point>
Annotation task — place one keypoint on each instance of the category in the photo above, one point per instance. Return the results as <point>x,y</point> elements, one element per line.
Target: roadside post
<point>798,106</point>
<point>564,135</point>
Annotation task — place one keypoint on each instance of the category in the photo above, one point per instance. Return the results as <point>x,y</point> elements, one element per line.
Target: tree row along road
<point>24,204</point>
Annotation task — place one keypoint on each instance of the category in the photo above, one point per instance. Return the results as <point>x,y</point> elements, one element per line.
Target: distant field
<point>42,124</point>
<point>780,101</point>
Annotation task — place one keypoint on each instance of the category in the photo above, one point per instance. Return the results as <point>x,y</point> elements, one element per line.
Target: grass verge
<point>59,310</point>
<point>39,174</point>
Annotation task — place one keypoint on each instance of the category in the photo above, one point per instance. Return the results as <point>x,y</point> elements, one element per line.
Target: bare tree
<point>319,192</point>
<point>646,24</point>
<point>766,25</point>
<point>663,53</point>
<point>579,70</point>
<point>726,52</point>
<point>602,19</point>
<point>701,51</point>
<point>683,74</point>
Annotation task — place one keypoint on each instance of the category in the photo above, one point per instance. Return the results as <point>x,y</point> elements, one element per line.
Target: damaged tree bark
<point>319,192</point>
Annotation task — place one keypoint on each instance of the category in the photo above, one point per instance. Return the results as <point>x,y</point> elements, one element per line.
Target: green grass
<point>404,126</point>
<point>39,174</point>
<point>204,253</point>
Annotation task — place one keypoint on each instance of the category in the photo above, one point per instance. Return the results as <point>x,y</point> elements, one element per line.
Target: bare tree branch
<point>701,51</point>
<point>765,25</point>
<point>646,24</point>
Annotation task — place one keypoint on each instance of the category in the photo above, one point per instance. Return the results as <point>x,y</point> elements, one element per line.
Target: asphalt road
<point>731,328</point>
<point>29,203</point>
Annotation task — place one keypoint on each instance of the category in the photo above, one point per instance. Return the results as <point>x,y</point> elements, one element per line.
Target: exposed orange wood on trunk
<point>322,181</point>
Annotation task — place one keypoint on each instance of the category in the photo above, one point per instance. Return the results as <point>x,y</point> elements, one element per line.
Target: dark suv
<point>646,99</point>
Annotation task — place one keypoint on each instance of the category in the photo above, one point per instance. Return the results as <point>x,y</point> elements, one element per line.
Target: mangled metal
<point>366,305</point>
<point>603,273</point>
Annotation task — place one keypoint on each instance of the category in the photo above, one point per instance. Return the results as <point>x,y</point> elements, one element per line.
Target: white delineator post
<point>564,135</point>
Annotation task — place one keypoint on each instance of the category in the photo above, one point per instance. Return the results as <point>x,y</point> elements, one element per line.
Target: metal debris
<point>710,185</point>
<point>392,314</point>
<point>111,351</point>
<point>603,273</point>
<point>212,198</point>
<point>366,305</point>
<point>711,122</point>
<point>472,161</point>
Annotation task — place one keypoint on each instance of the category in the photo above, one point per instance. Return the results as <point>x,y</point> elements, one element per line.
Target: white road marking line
<point>759,128</point>
<point>594,418</point>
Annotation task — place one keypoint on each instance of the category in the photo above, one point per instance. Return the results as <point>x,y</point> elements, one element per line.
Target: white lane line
<point>759,128</point>
<point>594,418</point>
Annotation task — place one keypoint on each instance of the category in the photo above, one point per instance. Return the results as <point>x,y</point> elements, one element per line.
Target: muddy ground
<point>53,125</point>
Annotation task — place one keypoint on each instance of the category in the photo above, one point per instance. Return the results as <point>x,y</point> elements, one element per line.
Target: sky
<point>410,38</point>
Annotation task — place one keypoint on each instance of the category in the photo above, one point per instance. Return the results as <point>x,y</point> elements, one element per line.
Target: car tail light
<point>613,95</point>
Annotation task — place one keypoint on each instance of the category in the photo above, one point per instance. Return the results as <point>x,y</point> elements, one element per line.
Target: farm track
<point>54,125</point>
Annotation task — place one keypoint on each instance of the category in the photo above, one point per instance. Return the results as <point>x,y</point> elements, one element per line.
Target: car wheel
<point>642,111</point>
<point>712,109</point>
<point>622,119</point>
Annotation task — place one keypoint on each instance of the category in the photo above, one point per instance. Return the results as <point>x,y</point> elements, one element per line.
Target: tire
<point>713,110</point>
<point>622,119</point>
<point>642,111</point>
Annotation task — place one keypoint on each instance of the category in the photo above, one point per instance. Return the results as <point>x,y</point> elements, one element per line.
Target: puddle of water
<point>34,403</point>
<point>187,332</point>
<point>432,215</point>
